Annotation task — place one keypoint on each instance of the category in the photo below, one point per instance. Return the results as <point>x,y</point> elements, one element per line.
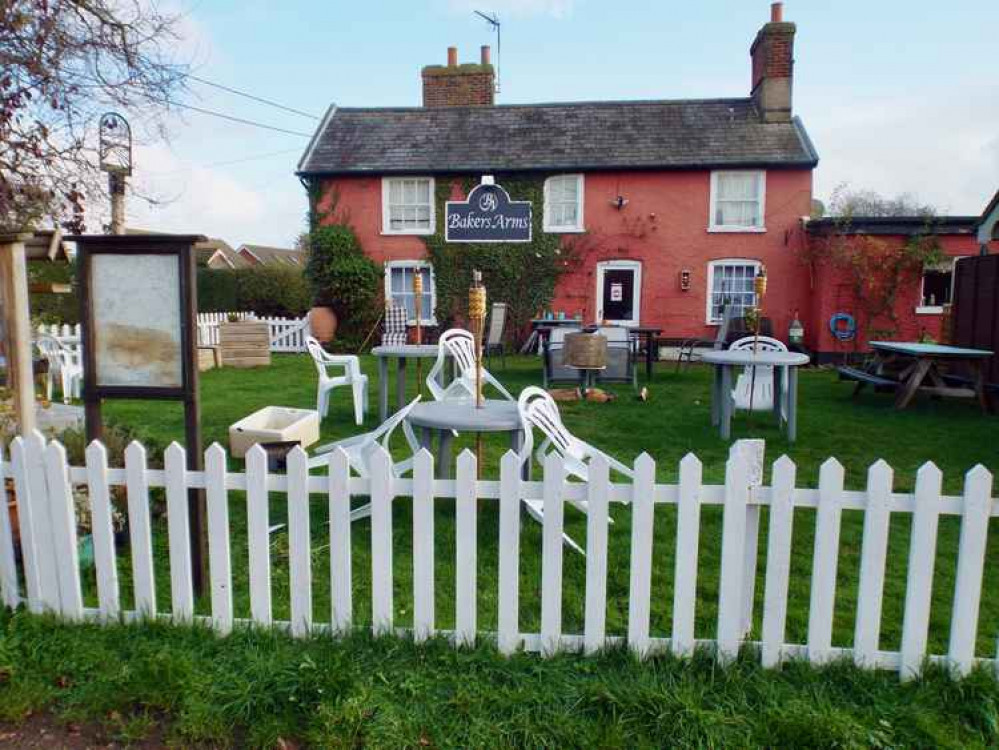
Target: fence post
<point>341,601</point>
<point>730,601</point>
<point>642,519</point>
<point>752,452</point>
<point>8,564</point>
<point>102,526</point>
<point>258,524</point>
<point>423,545</point>
<point>219,560</point>
<point>178,533</point>
<point>508,617</point>
<point>551,556</point>
<point>688,530</point>
<point>140,529</point>
<point>778,561</point>
<point>466,552</point>
<point>597,491</point>
<point>873,551</point>
<point>62,517</point>
<point>825,559</point>
<point>382,607</point>
<point>299,542</point>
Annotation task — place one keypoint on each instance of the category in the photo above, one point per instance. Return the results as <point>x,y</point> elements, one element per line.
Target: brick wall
<point>462,86</point>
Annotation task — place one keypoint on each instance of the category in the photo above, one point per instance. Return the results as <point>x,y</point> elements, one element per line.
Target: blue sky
<point>897,96</point>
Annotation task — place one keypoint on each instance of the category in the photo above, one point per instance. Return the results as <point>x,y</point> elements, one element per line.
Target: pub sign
<point>488,215</point>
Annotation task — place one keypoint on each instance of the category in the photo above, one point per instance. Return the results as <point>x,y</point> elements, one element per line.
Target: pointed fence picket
<point>46,575</point>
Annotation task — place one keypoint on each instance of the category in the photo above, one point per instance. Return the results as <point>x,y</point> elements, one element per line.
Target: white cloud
<point>206,200</point>
<point>553,8</point>
<point>940,146</point>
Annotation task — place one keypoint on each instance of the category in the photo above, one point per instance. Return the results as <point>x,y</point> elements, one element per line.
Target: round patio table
<point>401,353</point>
<point>440,418</point>
<point>785,366</point>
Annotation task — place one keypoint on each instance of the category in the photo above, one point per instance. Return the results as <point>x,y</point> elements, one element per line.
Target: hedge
<point>271,291</point>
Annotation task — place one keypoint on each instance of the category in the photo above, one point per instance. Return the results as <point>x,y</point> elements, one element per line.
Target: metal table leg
<point>400,382</point>
<point>780,385</point>
<point>516,445</point>
<point>725,399</point>
<point>792,404</point>
<point>444,454</point>
<point>648,358</point>
<point>716,395</point>
<point>382,389</point>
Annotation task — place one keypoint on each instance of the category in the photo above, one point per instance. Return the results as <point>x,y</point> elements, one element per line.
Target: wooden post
<point>17,328</point>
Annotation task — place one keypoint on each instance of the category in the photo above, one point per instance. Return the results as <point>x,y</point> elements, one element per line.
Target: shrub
<point>269,291</point>
<point>272,291</point>
<point>54,308</point>
<point>343,277</point>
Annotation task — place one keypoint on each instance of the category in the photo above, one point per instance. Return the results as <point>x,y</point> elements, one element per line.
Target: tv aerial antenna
<point>493,20</point>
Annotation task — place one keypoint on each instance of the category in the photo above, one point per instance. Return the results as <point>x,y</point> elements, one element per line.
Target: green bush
<point>54,308</point>
<point>217,290</point>
<point>342,276</point>
<point>269,291</point>
<point>272,291</point>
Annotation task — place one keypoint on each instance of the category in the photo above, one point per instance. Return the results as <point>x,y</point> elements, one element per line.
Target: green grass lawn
<point>674,421</point>
<point>192,689</point>
<point>253,687</point>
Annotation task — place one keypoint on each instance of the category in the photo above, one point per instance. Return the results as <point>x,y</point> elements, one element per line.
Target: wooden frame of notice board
<point>138,325</point>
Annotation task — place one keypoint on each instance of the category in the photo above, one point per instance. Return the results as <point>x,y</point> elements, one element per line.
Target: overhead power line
<point>232,118</point>
<point>255,98</point>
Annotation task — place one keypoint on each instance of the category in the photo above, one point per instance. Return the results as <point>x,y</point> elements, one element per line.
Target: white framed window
<point>937,287</point>
<point>399,276</point>
<point>730,283</point>
<point>564,203</point>
<point>738,201</point>
<point>408,205</point>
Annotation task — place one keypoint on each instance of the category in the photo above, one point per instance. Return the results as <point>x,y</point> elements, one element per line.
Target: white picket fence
<point>51,572</point>
<point>286,334</point>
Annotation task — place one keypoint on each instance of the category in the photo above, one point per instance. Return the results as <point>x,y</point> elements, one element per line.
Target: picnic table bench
<point>864,378</point>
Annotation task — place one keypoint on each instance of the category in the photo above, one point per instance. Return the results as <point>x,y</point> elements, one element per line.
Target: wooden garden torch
<point>418,304</point>
<point>477,319</point>
<point>760,289</point>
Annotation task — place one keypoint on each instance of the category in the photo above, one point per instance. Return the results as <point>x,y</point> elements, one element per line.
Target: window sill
<point>408,233</point>
<point>737,230</point>
<point>563,230</point>
<point>929,310</point>
<point>424,324</point>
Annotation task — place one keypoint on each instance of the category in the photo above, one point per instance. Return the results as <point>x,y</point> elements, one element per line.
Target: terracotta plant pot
<point>323,322</point>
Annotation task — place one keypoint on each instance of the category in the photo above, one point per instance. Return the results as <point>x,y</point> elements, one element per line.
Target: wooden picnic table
<point>918,368</point>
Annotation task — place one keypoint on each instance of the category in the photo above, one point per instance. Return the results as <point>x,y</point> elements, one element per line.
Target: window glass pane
<point>423,192</point>
<point>395,192</point>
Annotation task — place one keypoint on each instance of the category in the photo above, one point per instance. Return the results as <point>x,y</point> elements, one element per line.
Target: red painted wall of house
<point>832,293</point>
<point>664,226</point>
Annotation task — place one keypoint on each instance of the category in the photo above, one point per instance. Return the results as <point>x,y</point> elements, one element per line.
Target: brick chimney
<point>773,67</point>
<point>454,85</point>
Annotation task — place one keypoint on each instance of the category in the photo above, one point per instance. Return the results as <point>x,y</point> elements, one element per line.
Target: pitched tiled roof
<point>584,135</point>
<point>275,255</point>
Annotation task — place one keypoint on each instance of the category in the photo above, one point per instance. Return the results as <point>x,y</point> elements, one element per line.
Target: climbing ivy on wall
<point>521,274</point>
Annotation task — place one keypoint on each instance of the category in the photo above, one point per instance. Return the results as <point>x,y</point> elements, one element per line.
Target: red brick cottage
<point>672,205</point>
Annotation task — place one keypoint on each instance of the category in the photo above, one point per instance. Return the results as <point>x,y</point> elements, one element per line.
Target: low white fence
<point>286,334</point>
<point>51,572</point>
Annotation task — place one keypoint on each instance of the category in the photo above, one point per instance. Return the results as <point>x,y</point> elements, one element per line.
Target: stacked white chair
<point>460,344</point>
<point>759,389</point>
<point>352,376</point>
<point>65,362</point>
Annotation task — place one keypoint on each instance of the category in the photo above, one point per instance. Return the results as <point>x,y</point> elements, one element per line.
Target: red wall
<point>832,293</point>
<point>664,226</point>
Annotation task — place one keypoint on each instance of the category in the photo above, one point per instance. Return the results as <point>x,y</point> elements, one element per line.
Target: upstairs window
<point>938,286</point>
<point>737,200</point>
<point>564,203</point>
<point>730,284</point>
<point>407,205</point>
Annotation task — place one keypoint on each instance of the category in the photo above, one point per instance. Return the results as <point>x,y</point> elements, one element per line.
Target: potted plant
<point>344,280</point>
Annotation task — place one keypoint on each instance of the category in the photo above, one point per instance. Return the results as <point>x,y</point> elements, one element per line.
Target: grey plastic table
<point>785,366</point>
<point>401,354</point>
<point>441,417</point>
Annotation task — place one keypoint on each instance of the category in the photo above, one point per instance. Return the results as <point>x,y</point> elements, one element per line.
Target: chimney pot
<point>776,12</point>
<point>452,57</point>
<point>486,54</point>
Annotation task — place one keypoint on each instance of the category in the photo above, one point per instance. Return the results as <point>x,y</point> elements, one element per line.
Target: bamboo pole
<point>477,320</point>
<point>760,288</point>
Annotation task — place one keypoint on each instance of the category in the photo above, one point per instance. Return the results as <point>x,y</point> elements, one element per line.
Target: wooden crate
<point>246,343</point>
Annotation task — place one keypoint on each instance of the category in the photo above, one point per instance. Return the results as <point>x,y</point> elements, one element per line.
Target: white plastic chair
<point>538,409</point>
<point>359,449</point>
<point>352,376</point>
<point>761,388</point>
<point>460,344</point>
<point>64,361</point>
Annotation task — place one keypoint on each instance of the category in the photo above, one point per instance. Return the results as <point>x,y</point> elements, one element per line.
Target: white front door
<point>619,292</point>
